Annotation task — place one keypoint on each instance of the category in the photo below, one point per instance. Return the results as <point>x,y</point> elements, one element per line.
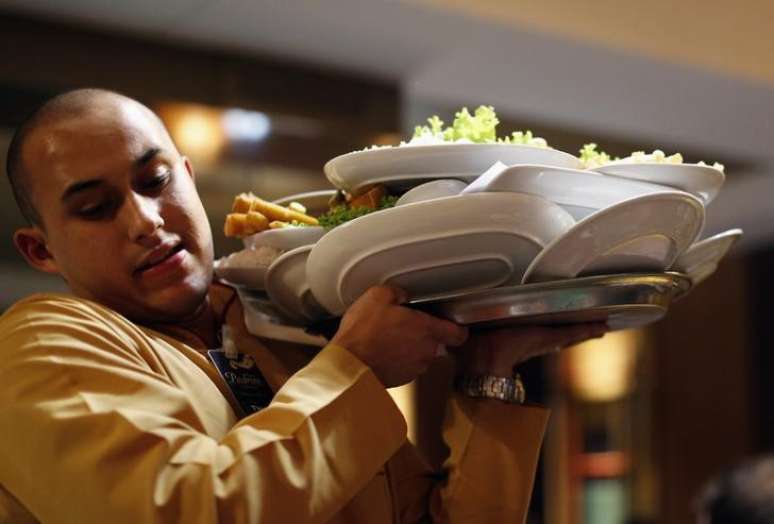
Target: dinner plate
<point>285,238</point>
<point>701,259</point>
<point>642,234</point>
<point>404,166</point>
<point>263,319</point>
<point>622,301</point>
<point>453,244</point>
<point>579,192</point>
<point>702,272</point>
<point>431,190</point>
<point>703,182</point>
<point>246,268</point>
<point>288,287</point>
<point>315,202</point>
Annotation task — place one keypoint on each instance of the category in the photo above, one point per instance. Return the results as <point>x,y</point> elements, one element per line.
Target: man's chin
<point>172,303</point>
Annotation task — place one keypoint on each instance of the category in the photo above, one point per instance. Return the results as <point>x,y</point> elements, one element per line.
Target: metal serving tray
<point>623,301</point>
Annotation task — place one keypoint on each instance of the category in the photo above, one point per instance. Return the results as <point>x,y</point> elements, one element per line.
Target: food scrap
<point>251,214</point>
<point>346,207</point>
<point>592,158</point>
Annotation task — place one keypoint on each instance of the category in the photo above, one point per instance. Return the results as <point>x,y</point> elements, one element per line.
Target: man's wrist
<point>507,389</point>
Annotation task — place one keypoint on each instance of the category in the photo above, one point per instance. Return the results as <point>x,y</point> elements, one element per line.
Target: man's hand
<point>397,343</point>
<point>497,351</point>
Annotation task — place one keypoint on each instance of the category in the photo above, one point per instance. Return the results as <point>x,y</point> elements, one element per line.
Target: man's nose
<point>143,217</point>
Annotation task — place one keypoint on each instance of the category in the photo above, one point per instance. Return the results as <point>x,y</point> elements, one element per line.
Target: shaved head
<point>69,105</point>
<point>112,204</point>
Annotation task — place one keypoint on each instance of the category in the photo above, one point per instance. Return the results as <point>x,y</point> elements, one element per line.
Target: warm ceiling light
<point>196,130</point>
<point>601,370</point>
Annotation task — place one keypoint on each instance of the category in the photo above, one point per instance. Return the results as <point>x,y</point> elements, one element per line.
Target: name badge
<point>244,379</point>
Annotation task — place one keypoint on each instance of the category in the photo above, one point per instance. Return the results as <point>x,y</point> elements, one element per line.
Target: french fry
<point>256,222</point>
<point>242,203</point>
<point>235,225</point>
<point>275,212</point>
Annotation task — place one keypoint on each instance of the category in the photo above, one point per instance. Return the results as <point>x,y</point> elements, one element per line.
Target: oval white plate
<point>288,287</point>
<point>246,268</point>
<point>285,238</point>
<point>703,182</point>
<point>315,202</point>
<point>454,244</point>
<point>462,161</point>
<point>249,277</point>
<point>579,192</point>
<point>709,251</point>
<point>642,234</point>
<point>430,190</point>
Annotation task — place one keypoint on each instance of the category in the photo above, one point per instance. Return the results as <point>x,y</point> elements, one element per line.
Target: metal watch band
<point>507,389</point>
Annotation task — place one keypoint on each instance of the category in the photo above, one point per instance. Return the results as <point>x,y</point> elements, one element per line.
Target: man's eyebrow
<point>80,186</point>
<point>147,156</point>
<point>141,161</point>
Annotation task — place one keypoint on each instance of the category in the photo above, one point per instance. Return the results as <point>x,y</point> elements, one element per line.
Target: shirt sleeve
<point>489,474</point>
<point>92,435</point>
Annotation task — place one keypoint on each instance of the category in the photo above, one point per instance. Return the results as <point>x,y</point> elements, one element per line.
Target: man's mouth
<point>158,256</point>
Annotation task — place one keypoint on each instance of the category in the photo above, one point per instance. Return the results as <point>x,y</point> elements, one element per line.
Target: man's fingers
<point>445,332</point>
<point>577,333</point>
<point>387,295</point>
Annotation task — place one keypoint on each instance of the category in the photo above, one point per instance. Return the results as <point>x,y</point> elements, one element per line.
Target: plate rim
<point>610,209</point>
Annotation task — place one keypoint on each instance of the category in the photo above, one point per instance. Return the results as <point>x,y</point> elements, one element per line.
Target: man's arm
<point>494,446</point>
<point>92,434</point>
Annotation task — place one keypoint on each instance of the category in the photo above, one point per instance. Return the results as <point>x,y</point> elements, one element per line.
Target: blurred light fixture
<point>245,126</point>
<point>601,370</point>
<point>196,130</point>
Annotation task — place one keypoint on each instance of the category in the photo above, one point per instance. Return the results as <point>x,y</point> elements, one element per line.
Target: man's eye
<point>94,211</point>
<point>156,181</point>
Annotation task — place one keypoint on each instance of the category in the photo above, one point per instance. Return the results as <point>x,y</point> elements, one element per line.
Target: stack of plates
<point>496,233</point>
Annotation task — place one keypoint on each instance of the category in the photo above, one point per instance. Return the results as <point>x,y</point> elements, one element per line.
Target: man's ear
<point>31,243</point>
<point>189,168</point>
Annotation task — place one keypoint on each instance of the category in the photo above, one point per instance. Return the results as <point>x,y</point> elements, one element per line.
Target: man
<point>112,413</point>
<point>742,495</point>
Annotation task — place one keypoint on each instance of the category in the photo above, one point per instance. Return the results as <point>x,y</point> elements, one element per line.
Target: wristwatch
<point>487,386</point>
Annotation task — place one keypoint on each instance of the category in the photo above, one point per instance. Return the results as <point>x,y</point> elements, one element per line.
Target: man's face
<point>122,219</point>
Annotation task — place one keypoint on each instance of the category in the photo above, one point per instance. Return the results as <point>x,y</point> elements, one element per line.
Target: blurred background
<point>260,94</point>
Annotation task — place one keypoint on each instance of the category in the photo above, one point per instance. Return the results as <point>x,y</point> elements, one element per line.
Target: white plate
<point>436,247</point>
<point>707,252</point>
<point>701,273</point>
<point>422,163</point>
<point>642,234</point>
<point>579,192</point>
<point>430,190</point>
<point>702,181</point>
<point>249,277</point>
<point>288,287</point>
<point>315,202</point>
<point>246,268</point>
<point>285,238</point>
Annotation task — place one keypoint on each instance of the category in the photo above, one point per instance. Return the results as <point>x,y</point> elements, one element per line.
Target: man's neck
<point>204,324</point>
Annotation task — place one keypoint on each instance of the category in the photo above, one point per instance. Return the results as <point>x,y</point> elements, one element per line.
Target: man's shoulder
<point>42,305</point>
<point>60,313</point>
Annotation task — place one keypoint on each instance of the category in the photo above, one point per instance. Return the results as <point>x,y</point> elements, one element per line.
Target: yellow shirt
<point>104,421</point>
